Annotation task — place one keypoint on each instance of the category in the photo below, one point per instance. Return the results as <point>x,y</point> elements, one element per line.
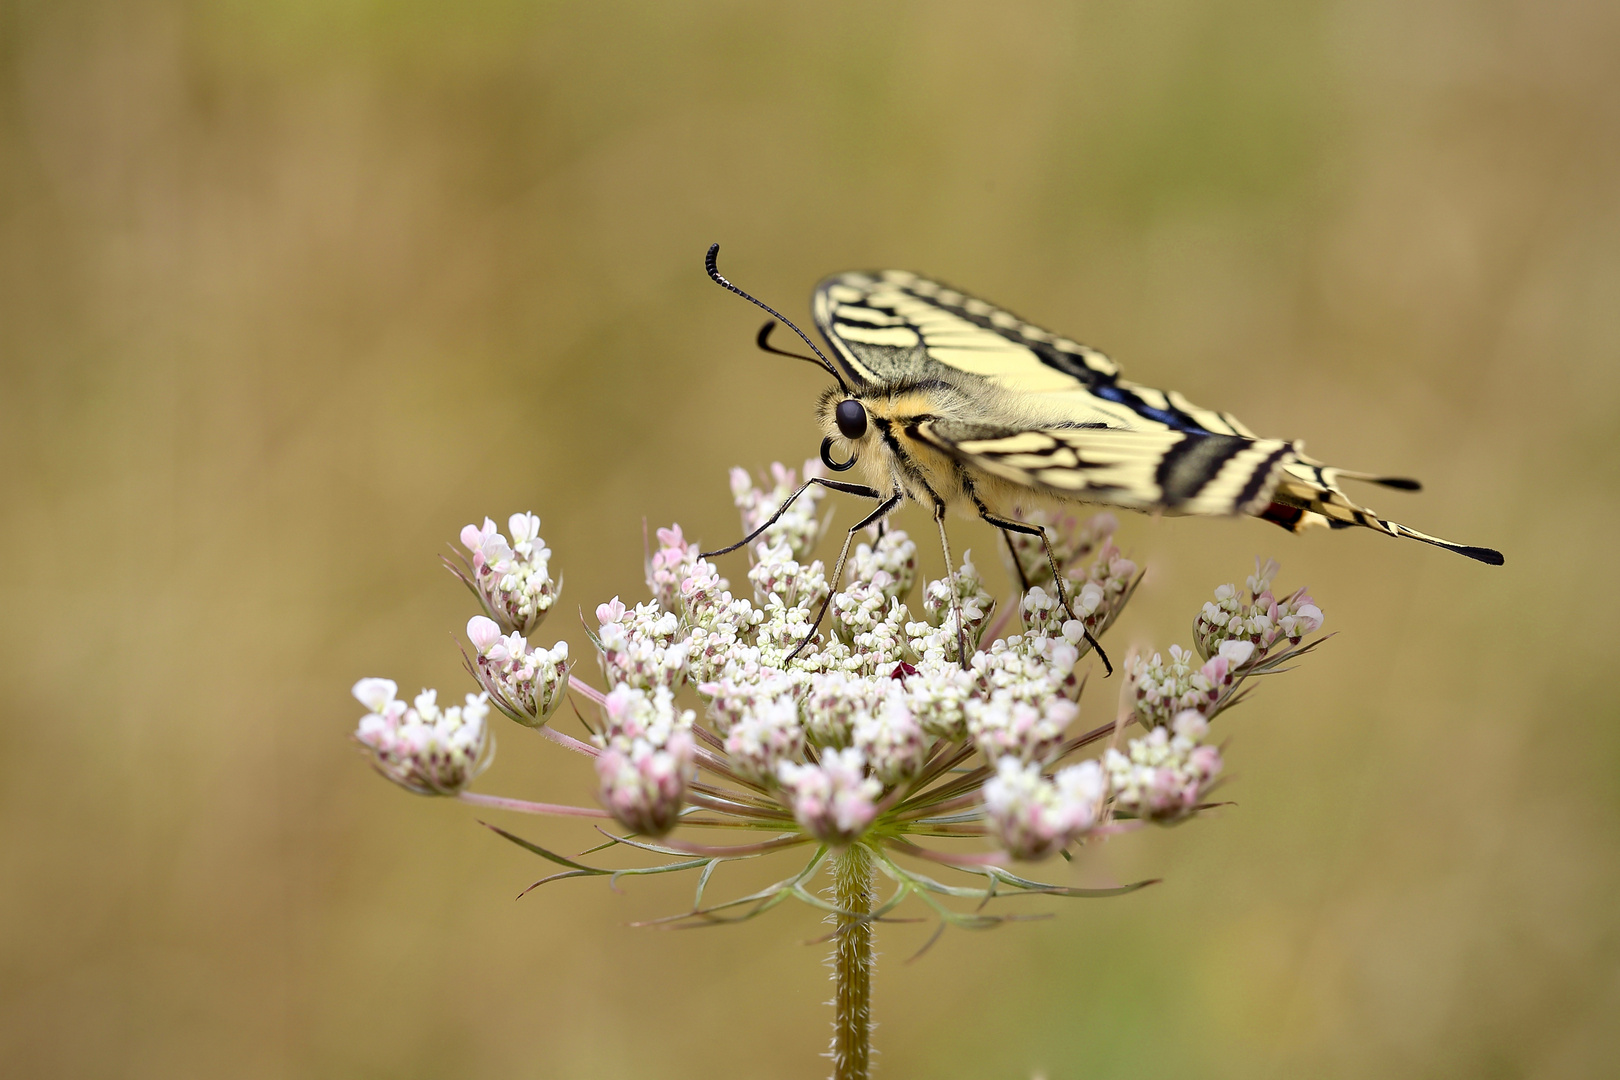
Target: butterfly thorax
<point>895,455</point>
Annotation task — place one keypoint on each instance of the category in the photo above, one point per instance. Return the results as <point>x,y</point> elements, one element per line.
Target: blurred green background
<point>291,290</point>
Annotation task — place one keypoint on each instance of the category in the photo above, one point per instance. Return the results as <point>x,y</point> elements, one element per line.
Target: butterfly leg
<point>1007,525</point>
<point>836,485</point>
<point>1018,564</point>
<point>883,511</point>
<point>956,594</point>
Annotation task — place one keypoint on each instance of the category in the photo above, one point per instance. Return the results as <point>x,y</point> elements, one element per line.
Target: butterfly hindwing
<point>1175,471</point>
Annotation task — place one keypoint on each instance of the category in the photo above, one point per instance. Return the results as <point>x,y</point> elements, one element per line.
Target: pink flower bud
<point>471,538</point>
<point>483,632</point>
<point>1217,671</point>
<point>610,612</point>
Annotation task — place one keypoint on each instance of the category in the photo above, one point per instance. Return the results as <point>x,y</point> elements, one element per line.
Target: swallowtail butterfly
<point>961,405</point>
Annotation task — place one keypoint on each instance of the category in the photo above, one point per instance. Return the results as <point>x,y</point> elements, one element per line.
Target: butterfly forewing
<point>891,325</point>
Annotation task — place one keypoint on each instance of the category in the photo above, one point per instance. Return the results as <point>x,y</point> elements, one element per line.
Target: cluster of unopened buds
<point>825,714</point>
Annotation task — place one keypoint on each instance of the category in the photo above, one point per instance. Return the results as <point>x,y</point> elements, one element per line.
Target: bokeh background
<point>291,290</point>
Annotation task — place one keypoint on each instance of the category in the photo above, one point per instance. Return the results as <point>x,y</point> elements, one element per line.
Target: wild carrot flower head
<point>420,746</point>
<point>524,682</point>
<point>823,713</point>
<point>512,580</point>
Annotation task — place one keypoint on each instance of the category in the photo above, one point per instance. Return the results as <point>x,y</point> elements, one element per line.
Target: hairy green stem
<point>852,964</point>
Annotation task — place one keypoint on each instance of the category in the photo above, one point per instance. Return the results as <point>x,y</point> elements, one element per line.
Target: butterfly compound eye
<point>851,418</point>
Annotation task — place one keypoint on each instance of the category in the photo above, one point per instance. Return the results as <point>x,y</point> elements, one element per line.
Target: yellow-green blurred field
<point>290,291</point>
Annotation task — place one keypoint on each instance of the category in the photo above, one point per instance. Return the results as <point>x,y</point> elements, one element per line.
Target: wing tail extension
<point>1308,495</point>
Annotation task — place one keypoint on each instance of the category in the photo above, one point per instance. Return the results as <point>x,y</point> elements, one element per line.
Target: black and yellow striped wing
<point>892,326</point>
<point>1086,434</point>
<point>1166,470</point>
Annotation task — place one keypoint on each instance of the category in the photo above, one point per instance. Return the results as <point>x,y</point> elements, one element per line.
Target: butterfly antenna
<point>763,341</point>
<point>711,265</point>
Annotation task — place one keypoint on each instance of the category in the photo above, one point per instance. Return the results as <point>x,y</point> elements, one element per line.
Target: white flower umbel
<point>722,628</point>
<point>1041,612</point>
<point>778,575</point>
<point>642,785</point>
<point>858,739</point>
<point>1032,817</point>
<point>938,695</point>
<point>1256,617</point>
<point>524,682</point>
<point>1100,591</point>
<point>977,604</point>
<point>1030,668</point>
<point>631,714</point>
<point>670,566</point>
<point>646,759</point>
<point>641,646</point>
<point>893,555</point>
<point>891,739</point>
<point>834,800</point>
<point>1165,687</point>
<point>1163,776</point>
<point>764,737</point>
<point>835,700</point>
<point>1007,726</point>
<point>734,697</point>
<point>871,624</point>
<point>421,747</point>
<point>511,580</point>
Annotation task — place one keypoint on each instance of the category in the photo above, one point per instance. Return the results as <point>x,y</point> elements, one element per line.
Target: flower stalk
<point>852,963</point>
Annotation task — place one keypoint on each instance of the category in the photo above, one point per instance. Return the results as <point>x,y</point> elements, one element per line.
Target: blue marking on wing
<point>1176,420</point>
